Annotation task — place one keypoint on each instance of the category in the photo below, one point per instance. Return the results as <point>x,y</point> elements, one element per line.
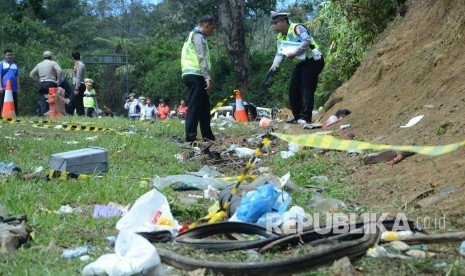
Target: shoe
<point>301,122</point>
<point>291,121</point>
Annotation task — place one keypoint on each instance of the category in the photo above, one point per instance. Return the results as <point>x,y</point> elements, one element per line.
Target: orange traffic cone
<point>8,110</point>
<point>52,112</point>
<point>241,115</point>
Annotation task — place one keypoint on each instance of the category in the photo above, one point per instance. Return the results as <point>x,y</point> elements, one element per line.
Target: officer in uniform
<point>296,43</point>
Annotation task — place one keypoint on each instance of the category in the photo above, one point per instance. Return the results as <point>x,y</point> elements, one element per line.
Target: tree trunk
<point>231,18</point>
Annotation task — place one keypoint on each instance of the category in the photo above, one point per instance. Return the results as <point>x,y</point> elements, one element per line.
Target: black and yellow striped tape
<point>222,102</point>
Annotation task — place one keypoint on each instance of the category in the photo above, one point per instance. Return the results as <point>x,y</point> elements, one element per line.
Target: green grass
<point>146,152</point>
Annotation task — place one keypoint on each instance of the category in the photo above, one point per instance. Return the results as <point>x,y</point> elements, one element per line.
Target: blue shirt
<point>9,74</point>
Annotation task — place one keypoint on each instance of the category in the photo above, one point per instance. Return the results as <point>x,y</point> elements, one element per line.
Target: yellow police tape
<point>330,142</point>
<point>63,175</point>
<point>220,213</point>
<point>221,103</point>
<point>40,122</point>
<point>75,128</point>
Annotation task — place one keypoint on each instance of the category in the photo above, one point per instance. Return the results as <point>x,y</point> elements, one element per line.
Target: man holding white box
<point>295,43</point>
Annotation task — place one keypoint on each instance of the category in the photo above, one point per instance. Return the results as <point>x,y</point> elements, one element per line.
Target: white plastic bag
<point>133,255</point>
<point>150,213</point>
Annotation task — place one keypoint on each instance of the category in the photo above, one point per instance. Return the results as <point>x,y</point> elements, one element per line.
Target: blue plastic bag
<point>257,203</point>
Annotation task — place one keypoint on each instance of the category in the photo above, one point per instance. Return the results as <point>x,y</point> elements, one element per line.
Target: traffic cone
<point>240,115</point>
<point>52,93</point>
<point>8,110</point>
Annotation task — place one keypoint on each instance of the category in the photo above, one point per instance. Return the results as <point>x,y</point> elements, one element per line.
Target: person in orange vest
<point>163,110</point>
<point>9,71</point>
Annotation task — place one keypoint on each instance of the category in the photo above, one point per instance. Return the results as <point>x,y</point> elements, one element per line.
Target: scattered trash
<point>262,170</point>
<point>344,126</point>
<point>462,249</point>
<point>72,142</point>
<point>380,157</point>
<point>413,121</point>
<point>133,255</point>
<point>179,157</point>
<point>287,154</point>
<point>295,147</point>
<point>76,251</point>
<point>331,120</point>
<point>84,258</point>
<point>184,182</point>
<point>66,209</point>
<point>210,193</point>
<point>266,122</point>
<point>242,152</point>
<point>313,126</point>
<point>13,233</point>
<point>195,196</point>
<point>9,169</point>
<point>102,211</point>
<point>429,105</point>
<point>257,203</point>
<point>396,236</point>
<point>150,213</point>
<point>93,138</point>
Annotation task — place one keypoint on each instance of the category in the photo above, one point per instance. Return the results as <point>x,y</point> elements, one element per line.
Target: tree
<point>231,15</point>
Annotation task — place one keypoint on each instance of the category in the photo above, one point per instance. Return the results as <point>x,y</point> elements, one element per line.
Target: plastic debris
<point>462,248</point>
<point>413,121</point>
<point>76,251</point>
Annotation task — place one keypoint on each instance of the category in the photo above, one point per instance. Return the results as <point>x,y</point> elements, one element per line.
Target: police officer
<point>196,73</point>
<point>296,43</point>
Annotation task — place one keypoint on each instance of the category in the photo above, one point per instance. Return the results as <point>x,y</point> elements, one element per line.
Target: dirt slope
<point>418,61</point>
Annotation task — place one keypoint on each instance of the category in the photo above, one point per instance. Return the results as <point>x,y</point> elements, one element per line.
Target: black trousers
<point>198,111</point>
<point>43,95</point>
<point>304,82</point>
<point>76,101</point>
<point>15,99</point>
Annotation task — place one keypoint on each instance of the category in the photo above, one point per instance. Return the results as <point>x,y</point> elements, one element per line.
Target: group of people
<point>80,100</point>
<point>196,71</point>
<point>142,109</point>
<point>81,95</point>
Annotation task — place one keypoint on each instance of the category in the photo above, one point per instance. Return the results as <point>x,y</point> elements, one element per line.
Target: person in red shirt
<point>163,110</point>
<point>182,109</point>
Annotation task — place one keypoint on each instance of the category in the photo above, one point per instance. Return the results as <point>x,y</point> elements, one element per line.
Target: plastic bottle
<point>76,251</point>
<point>396,236</point>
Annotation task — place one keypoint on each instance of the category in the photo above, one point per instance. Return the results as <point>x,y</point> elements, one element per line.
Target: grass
<point>144,153</point>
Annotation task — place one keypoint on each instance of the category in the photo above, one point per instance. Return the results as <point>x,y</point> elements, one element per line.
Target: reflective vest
<point>292,36</point>
<point>88,99</point>
<point>189,60</point>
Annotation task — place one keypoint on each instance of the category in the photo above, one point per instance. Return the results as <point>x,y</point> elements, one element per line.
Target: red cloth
<point>182,110</point>
<point>163,111</point>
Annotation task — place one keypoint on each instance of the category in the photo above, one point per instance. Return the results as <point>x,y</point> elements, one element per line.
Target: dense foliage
<point>152,36</point>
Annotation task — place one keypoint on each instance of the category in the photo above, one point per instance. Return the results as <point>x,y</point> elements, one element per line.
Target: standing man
<point>79,74</point>
<point>295,43</point>
<point>9,71</point>
<point>49,74</point>
<point>196,73</point>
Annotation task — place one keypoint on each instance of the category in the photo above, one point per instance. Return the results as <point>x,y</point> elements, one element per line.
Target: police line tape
<point>44,122</point>
<point>222,102</point>
<point>330,142</point>
<point>75,128</point>
<point>57,125</point>
<point>219,211</point>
